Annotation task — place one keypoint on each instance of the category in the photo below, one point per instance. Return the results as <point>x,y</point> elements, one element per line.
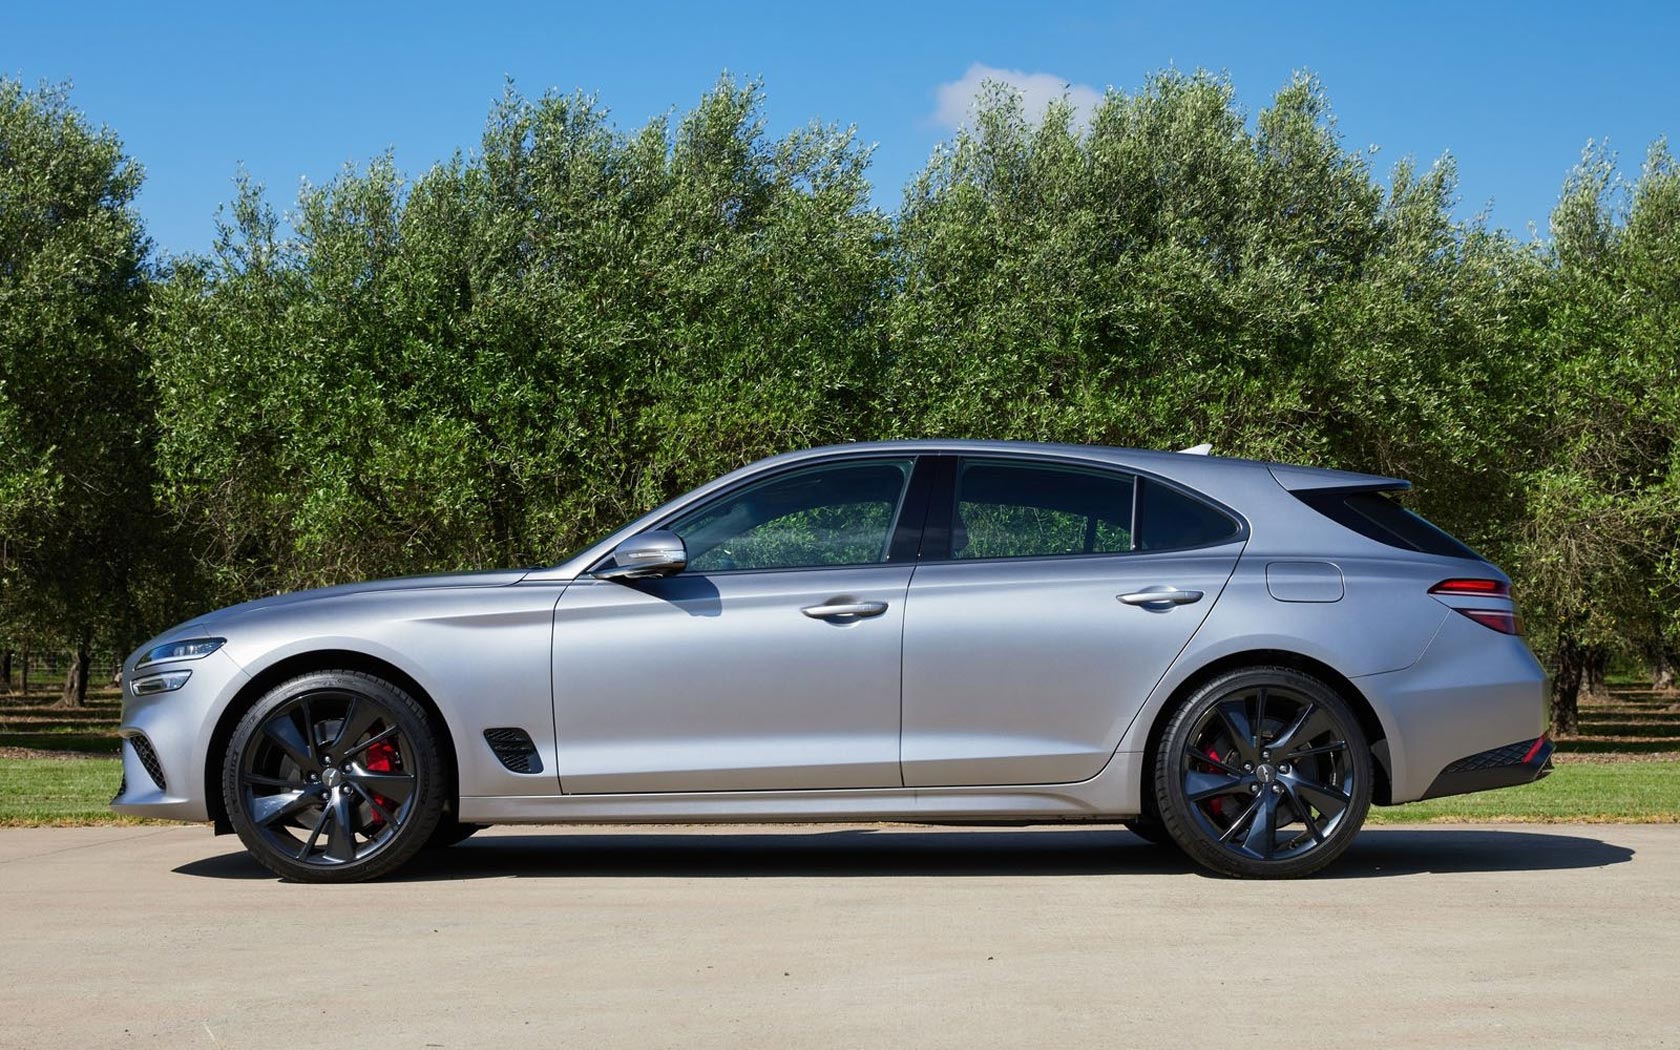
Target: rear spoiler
<point>1311,479</point>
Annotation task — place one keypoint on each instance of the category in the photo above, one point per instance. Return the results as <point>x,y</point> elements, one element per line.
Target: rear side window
<point>1168,519</point>
<point>1015,510</point>
<point>1377,517</point>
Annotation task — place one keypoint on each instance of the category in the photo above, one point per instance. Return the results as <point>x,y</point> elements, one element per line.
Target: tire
<point>451,832</point>
<point>334,776</point>
<point>1263,773</point>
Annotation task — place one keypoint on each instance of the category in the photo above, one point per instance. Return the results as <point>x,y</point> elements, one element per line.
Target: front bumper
<point>165,738</point>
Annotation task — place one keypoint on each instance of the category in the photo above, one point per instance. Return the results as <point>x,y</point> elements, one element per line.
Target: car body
<point>999,655</point>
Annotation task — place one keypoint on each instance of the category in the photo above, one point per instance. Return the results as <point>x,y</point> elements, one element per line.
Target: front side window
<point>1016,510</point>
<point>839,514</point>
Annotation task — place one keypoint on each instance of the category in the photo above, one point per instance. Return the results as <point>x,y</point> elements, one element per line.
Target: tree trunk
<point>6,668</point>
<point>76,678</point>
<point>1566,686</point>
<point>1594,665</point>
<point>1662,669</point>
<point>23,689</point>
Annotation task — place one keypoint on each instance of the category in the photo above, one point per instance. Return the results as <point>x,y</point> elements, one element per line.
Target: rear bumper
<point>1521,763</point>
<point>1473,691</point>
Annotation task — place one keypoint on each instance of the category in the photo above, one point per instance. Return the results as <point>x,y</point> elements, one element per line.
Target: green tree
<point>1601,523</point>
<point>520,349</point>
<point>1650,264</point>
<point>74,461</point>
<point>1172,275</point>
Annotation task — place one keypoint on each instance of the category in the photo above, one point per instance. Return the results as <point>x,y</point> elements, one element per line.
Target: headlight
<point>186,649</point>
<point>167,682</point>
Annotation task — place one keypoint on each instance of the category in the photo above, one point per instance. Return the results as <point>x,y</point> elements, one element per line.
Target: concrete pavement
<point>809,936</point>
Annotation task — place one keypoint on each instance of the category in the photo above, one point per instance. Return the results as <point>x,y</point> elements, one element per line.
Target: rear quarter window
<point>1168,519</point>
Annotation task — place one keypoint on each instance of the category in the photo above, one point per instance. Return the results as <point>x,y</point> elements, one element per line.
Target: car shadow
<point>896,852</point>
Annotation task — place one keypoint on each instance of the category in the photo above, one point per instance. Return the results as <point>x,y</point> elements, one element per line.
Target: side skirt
<point>1112,794</point>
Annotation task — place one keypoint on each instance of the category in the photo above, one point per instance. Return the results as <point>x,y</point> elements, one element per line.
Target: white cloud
<point>957,97</point>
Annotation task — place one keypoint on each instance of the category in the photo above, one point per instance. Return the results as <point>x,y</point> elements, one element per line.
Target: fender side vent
<point>515,749</point>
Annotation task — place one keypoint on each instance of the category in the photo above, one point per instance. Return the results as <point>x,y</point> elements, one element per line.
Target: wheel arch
<point>1376,734</point>
<point>305,663</point>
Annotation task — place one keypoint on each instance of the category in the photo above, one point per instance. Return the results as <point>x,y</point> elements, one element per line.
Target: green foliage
<point>522,347</point>
<point>74,411</point>
<point>521,350</point>
<point>1172,276</point>
<point>1601,525</point>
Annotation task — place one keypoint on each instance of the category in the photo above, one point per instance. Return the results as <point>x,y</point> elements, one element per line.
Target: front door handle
<point>1160,596</point>
<point>837,610</point>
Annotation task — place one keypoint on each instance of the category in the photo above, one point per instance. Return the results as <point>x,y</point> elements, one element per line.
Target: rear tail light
<point>1505,621</point>
<point>1473,588</point>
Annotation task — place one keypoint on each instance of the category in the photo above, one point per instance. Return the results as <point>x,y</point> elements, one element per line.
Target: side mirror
<point>645,556</point>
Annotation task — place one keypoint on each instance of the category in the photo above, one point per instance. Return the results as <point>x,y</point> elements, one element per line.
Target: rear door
<point>1050,599</point>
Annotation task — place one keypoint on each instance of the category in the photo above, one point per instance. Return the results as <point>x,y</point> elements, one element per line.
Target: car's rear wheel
<point>1263,772</point>
<point>334,776</point>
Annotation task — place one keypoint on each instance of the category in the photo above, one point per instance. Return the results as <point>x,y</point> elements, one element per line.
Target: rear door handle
<point>841,610</point>
<point>1160,596</point>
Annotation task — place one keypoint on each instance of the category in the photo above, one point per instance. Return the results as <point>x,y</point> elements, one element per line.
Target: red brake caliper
<point>379,758</point>
<point>1216,805</point>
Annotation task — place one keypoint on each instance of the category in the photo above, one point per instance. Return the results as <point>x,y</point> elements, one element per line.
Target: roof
<point>1294,477</point>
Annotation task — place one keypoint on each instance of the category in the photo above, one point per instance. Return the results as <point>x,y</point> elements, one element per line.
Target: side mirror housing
<point>646,556</point>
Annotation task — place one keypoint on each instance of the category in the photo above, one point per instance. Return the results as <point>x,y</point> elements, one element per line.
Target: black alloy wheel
<point>334,777</point>
<point>1264,773</point>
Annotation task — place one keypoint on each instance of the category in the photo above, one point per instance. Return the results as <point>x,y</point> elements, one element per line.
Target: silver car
<point>1234,657</point>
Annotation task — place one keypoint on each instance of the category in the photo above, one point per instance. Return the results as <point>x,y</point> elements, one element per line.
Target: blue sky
<point>294,91</point>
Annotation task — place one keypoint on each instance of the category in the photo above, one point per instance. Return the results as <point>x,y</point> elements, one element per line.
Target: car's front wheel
<point>334,776</point>
<point>1263,772</point>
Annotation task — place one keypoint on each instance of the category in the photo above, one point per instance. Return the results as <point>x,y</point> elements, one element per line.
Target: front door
<point>771,663</point>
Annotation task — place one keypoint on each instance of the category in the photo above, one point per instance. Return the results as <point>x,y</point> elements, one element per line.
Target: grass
<point>57,767</point>
<point>1590,792</point>
<point>58,791</point>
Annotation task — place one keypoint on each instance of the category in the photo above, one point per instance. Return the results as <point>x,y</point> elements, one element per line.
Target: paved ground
<point>845,937</point>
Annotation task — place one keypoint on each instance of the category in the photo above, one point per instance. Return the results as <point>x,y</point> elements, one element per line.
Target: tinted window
<point>834,515</point>
<point>1012,510</point>
<point>1377,517</point>
<point>1170,520</point>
